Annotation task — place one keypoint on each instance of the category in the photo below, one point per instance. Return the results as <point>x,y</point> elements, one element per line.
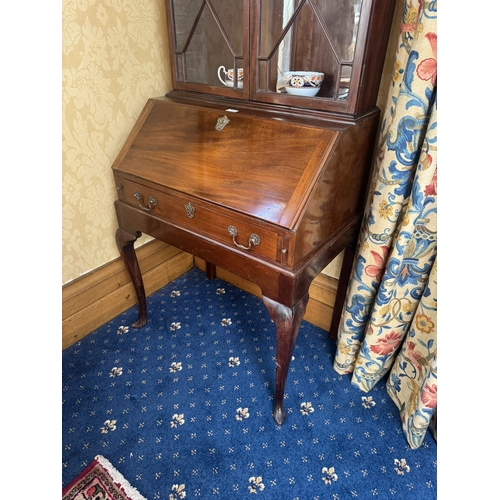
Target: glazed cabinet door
<point>305,51</point>
<point>208,40</point>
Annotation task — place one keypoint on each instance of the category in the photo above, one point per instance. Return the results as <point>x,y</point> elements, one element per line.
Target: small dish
<point>230,84</point>
<point>303,91</point>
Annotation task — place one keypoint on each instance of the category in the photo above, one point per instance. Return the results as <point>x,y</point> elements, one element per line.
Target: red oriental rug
<point>100,481</point>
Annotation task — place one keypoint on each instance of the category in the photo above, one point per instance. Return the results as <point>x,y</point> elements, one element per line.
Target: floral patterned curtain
<point>389,321</point>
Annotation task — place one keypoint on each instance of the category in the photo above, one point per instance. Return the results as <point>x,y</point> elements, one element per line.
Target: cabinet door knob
<point>151,204</point>
<point>253,240</point>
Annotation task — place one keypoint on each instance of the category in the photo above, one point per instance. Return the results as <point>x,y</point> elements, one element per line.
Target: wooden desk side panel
<point>339,192</point>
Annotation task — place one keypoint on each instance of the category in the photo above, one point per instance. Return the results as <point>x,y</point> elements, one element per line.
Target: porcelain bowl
<point>304,83</point>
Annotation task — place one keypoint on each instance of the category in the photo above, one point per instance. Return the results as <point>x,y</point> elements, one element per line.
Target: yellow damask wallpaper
<point>114,58</point>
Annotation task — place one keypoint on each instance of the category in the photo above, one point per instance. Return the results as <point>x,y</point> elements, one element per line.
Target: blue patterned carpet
<point>183,408</point>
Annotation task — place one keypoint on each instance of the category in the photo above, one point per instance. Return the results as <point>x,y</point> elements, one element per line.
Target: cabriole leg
<point>287,322</point>
<point>125,242</point>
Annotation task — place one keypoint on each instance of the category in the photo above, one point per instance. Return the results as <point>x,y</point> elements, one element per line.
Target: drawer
<point>216,223</point>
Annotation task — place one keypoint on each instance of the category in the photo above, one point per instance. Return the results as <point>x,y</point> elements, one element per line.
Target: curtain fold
<point>389,320</point>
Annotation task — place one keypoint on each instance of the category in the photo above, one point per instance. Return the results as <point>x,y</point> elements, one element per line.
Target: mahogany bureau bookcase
<point>257,161</point>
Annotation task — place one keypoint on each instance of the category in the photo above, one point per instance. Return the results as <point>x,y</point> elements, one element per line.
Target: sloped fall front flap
<point>263,167</point>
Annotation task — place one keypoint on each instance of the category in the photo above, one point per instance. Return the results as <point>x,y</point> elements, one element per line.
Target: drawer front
<point>201,218</point>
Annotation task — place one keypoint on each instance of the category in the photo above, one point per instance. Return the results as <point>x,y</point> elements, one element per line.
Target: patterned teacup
<point>229,76</point>
<point>306,83</point>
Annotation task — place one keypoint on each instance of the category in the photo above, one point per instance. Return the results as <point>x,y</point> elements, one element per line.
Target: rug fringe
<point>119,479</point>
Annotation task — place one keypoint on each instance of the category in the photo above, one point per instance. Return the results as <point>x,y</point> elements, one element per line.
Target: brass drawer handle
<point>151,204</point>
<point>253,240</point>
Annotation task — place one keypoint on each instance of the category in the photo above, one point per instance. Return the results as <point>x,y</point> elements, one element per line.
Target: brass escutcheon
<point>189,210</point>
<point>221,123</point>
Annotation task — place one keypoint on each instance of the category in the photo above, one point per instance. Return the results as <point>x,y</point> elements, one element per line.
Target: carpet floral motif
<point>186,412</point>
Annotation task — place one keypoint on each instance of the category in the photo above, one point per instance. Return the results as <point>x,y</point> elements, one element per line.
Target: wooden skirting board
<point>97,297</point>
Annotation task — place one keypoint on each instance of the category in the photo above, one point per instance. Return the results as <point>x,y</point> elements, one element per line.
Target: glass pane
<point>208,34</point>
<point>308,36</point>
<point>185,12</point>
<point>342,19</point>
